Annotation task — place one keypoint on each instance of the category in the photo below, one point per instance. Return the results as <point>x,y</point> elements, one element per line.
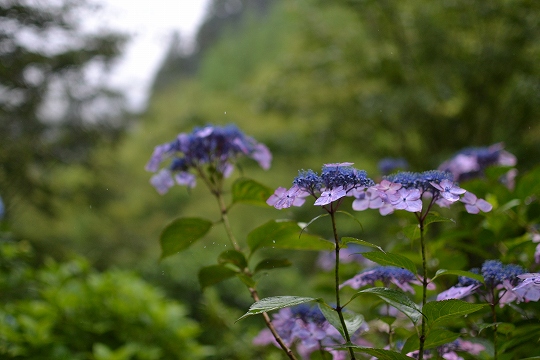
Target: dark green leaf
<point>285,235</point>
<point>211,275</point>
<point>390,259</point>
<point>397,299</point>
<point>349,240</point>
<point>380,354</point>
<point>269,264</point>
<point>412,232</point>
<point>181,233</point>
<point>468,274</point>
<point>434,338</point>
<point>248,281</point>
<point>233,257</point>
<point>439,311</point>
<point>250,191</point>
<point>275,303</point>
<point>352,321</point>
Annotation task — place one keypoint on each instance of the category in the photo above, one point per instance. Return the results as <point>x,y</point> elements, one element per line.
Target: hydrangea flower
<point>471,162</point>
<point>388,275</point>
<point>529,288</point>
<point>210,148</point>
<point>335,182</point>
<point>389,165</point>
<point>307,329</point>
<point>497,276</point>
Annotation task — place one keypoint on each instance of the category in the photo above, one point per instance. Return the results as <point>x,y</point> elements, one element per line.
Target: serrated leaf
<point>275,303</point>
<point>181,233</point>
<point>269,264</point>
<point>353,321</point>
<point>380,354</point>
<point>397,299</point>
<point>350,240</point>
<point>250,191</point>
<point>434,338</point>
<point>389,259</point>
<point>412,232</point>
<point>211,275</point>
<point>233,257</point>
<point>432,218</point>
<point>439,311</point>
<point>285,235</point>
<point>468,274</point>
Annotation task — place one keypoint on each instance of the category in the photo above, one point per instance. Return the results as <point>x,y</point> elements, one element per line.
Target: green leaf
<point>211,275</point>
<point>353,321</point>
<point>285,235</point>
<point>391,260</point>
<point>380,354</point>
<point>439,311</point>
<point>397,299</point>
<point>348,240</point>
<point>434,338</point>
<point>432,218</point>
<point>249,191</point>
<point>412,232</point>
<point>269,264</point>
<point>275,303</point>
<point>181,233</point>
<point>233,257</point>
<point>248,281</point>
<point>468,274</point>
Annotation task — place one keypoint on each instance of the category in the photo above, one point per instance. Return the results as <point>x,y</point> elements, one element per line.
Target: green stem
<point>493,305</point>
<point>424,289</point>
<point>338,304</point>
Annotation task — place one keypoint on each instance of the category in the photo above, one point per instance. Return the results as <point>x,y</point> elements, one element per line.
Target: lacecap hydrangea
<point>209,148</point>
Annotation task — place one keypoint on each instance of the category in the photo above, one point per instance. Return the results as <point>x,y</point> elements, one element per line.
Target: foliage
<point>70,311</point>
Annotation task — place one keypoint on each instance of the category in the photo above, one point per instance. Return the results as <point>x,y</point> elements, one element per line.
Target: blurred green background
<point>316,81</point>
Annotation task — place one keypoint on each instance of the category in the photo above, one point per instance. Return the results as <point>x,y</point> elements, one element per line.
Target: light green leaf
<point>468,274</point>
<point>211,275</point>
<point>397,299</point>
<point>432,218</point>
<point>248,281</point>
<point>251,192</point>
<point>275,303</point>
<point>349,240</point>
<point>181,233</point>
<point>269,264</point>
<point>389,259</point>
<point>439,311</point>
<point>412,232</point>
<point>233,257</point>
<point>353,321</point>
<point>285,235</point>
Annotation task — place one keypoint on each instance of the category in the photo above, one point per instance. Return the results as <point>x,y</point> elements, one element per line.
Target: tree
<point>49,112</point>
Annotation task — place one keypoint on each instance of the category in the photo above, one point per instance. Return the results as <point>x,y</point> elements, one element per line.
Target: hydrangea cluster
<point>497,276</point>
<point>214,147</point>
<point>405,191</point>
<point>389,165</point>
<point>471,162</point>
<point>335,182</point>
<point>402,278</point>
<point>307,328</point>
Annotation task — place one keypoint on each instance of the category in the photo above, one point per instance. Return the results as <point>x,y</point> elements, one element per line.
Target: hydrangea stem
<point>493,305</point>
<point>424,290</point>
<point>254,295</point>
<point>339,309</point>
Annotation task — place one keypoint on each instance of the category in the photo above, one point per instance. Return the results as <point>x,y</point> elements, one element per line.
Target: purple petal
<point>457,292</point>
<point>162,181</point>
<point>262,155</point>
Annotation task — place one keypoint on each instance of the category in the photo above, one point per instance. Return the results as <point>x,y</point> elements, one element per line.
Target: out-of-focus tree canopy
<point>51,112</point>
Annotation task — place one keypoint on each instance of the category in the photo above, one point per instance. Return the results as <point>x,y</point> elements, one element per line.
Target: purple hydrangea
<point>389,165</point>
<point>335,182</point>
<point>471,162</point>
<point>405,191</point>
<point>529,288</point>
<point>498,278</point>
<point>211,148</point>
<point>388,275</point>
<point>308,330</point>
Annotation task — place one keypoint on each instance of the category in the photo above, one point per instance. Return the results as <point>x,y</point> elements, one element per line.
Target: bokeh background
<point>316,81</point>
